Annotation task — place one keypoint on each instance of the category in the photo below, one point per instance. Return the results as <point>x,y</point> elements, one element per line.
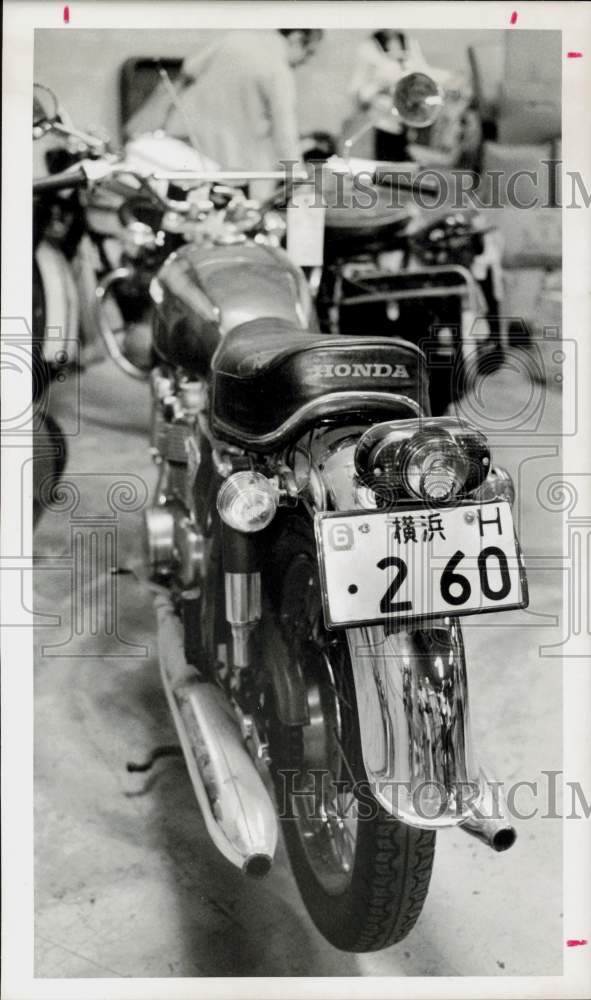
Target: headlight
<point>436,460</point>
<point>247,501</point>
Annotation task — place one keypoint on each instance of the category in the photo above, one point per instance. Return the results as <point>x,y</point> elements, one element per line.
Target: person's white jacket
<point>241,105</point>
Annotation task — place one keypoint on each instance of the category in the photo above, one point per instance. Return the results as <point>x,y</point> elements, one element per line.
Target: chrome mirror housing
<point>417,100</point>
<point>45,107</point>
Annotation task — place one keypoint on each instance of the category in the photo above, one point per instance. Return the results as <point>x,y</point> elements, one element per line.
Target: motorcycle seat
<point>271,381</point>
<point>358,218</point>
<point>352,231</point>
<point>353,222</point>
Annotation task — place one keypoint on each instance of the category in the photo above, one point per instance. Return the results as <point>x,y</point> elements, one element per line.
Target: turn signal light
<point>247,501</point>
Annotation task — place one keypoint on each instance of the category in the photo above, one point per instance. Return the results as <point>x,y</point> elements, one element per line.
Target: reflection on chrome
<point>413,712</point>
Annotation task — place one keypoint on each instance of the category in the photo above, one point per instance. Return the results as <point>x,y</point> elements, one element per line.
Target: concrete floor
<point>127,881</point>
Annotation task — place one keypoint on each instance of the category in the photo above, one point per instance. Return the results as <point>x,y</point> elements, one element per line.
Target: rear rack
<point>362,288</point>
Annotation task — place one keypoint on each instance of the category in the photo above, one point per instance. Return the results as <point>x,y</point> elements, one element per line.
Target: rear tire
<point>374,898</point>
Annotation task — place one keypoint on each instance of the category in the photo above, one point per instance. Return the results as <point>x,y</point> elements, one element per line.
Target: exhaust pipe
<point>488,822</point>
<point>238,812</point>
<point>495,833</point>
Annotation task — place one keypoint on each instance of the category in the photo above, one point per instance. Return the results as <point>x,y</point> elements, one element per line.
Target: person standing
<point>239,97</point>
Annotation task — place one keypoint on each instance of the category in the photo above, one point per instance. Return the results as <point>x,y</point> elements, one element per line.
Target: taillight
<point>433,469</point>
<point>436,460</point>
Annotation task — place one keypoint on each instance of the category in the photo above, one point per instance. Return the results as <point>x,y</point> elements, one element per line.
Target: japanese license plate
<point>377,566</point>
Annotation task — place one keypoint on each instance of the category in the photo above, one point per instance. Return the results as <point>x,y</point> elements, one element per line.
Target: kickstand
<point>165,751</point>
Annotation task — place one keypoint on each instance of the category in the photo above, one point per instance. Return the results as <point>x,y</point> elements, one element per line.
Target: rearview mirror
<point>417,100</point>
<point>44,106</point>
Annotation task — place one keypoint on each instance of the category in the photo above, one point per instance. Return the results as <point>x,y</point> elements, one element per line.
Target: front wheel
<point>362,874</point>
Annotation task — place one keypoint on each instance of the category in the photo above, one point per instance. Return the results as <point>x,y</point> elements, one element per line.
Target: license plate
<point>384,566</point>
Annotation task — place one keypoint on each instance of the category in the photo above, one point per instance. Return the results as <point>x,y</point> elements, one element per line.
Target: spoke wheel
<point>324,808</point>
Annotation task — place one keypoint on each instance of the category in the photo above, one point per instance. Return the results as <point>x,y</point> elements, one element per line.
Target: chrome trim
<point>190,552</point>
<point>489,824</point>
<point>413,716</point>
<point>107,335</point>
<point>237,809</point>
<point>159,539</point>
<point>412,698</point>
<point>218,176</point>
<point>243,612</point>
<point>345,400</point>
<point>243,598</point>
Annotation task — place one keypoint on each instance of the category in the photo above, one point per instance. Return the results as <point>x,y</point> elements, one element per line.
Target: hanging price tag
<point>305,227</point>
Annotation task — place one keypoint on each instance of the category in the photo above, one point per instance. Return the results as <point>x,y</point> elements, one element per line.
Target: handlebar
<point>62,181</point>
<point>212,176</point>
<point>90,171</point>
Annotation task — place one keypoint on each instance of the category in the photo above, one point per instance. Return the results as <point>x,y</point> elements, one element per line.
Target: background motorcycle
<point>280,450</point>
<point>55,306</point>
<point>424,273</point>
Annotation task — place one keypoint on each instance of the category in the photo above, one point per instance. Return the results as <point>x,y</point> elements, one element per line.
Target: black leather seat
<point>352,231</point>
<point>271,381</point>
<point>363,218</point>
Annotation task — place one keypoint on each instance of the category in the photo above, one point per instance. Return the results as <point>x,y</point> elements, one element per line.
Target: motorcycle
<point>314,540</point>
<point>429,273</point>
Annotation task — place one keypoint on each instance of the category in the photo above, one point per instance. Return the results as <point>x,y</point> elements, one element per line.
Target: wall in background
<point>531,99</point>
<point>82,67</point>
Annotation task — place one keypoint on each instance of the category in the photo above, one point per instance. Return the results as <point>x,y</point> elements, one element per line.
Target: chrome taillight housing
<point>437,460</point>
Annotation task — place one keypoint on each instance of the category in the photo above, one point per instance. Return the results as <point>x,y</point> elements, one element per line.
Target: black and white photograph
<point>296,500</point>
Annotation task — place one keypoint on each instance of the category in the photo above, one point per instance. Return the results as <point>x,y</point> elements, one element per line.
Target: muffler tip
<point>257,866</point>
<point>504,838</point>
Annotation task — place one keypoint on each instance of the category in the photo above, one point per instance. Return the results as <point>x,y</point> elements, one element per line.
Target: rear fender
<point>411,688</point>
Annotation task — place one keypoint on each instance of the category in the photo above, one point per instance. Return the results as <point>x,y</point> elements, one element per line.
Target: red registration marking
<point>575,942</point>
<point>66,15</point>
<point>514,17</point>
<point>574,55</point>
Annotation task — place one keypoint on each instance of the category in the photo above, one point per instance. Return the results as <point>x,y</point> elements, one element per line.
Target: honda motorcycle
<point>315,538</point>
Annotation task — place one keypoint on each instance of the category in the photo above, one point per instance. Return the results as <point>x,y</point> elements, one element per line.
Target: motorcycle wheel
<point>362,874</point>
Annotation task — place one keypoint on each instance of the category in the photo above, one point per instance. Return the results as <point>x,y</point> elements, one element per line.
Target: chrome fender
<point>62,309</point>
<point>412,701</point>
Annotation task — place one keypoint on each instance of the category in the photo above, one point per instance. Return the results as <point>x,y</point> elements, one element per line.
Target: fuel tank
<point>201,293</point>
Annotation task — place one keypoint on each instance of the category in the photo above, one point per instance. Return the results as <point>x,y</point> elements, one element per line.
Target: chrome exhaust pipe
<point>499,836</point>
<point>488,822</point>
<point>237,809</point>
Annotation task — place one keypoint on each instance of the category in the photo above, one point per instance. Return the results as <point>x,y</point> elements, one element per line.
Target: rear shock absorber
<point>242,579</point>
